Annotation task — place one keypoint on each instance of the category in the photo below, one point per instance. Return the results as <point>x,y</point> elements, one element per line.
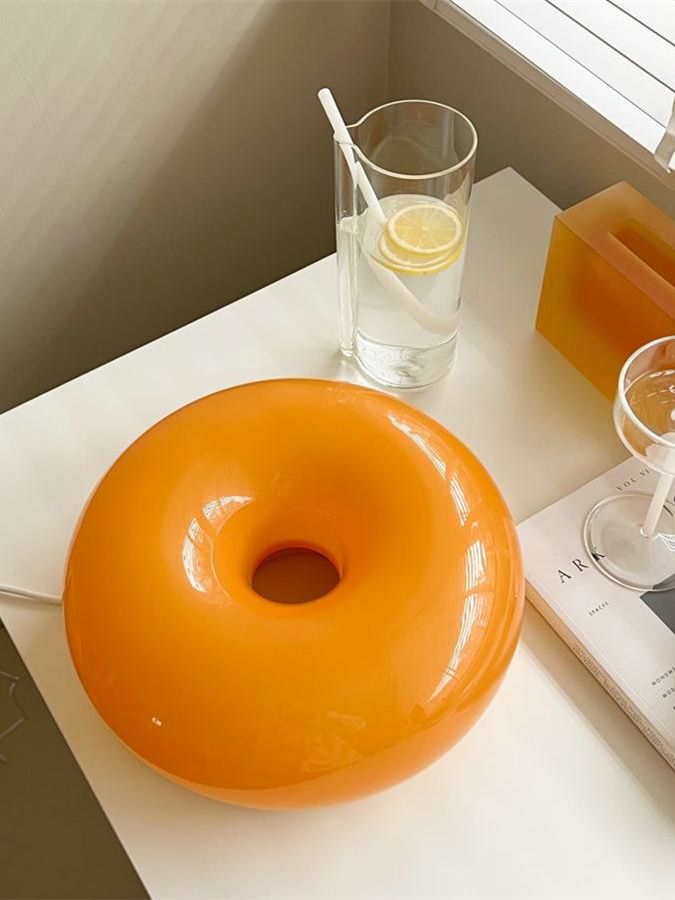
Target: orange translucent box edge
<point>609,282</point>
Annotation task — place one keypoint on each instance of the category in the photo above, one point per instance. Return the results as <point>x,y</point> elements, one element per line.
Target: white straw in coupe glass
<point>388,279</point>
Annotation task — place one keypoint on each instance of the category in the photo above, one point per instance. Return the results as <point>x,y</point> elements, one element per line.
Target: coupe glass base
<point>617,545</point>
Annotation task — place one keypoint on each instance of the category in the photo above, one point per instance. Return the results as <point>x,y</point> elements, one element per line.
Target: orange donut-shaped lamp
<point>184,619</point>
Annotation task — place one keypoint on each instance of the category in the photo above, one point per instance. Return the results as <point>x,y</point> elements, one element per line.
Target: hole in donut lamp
<point>294,575</point>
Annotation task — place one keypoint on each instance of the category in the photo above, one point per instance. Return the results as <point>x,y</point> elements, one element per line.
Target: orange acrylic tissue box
<point>609,284</point>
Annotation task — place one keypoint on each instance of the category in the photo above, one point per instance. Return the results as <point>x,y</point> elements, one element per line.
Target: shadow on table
<point>49,812</point>
<point>612,725</point>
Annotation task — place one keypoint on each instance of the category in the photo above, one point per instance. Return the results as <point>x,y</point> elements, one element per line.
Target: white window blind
<point>616,57</point>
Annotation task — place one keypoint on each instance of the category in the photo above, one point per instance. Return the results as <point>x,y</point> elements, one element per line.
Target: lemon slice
<point>427,229</point>
<point>402,257</point>
<point>405,262</point>
<point>415,270</point>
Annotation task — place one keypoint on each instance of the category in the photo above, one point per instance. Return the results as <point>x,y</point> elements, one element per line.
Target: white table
<point>553,793</point>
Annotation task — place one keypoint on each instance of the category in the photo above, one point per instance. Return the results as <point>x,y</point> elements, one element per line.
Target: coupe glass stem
<point>658,501</point>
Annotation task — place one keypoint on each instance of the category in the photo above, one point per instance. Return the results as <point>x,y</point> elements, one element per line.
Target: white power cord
<point>28,595</point>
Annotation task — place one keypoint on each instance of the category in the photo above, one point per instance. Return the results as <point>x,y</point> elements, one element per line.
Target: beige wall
<point>159,159</point>
<point>517,125</point>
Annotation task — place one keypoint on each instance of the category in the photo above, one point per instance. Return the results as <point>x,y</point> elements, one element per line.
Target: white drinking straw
<point>356,169</point>
<point>664,458</point>
<point>661,493</point>
<point>388,279</point>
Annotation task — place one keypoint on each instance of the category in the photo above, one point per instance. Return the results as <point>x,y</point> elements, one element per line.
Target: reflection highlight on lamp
<point>197,550</point>
<point>420,441</point>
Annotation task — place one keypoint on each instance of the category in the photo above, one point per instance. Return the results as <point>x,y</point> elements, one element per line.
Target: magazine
<point>625,638</point>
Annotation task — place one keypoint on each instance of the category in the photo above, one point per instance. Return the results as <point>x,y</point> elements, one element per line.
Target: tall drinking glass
<point>631,536</point>
<point>400,275</point>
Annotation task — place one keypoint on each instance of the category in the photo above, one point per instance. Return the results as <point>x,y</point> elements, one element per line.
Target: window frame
<point>613,118</point>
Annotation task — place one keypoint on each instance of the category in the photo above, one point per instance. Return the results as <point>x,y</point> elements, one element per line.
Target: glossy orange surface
<point>282,704</point>
<point>609,285</point>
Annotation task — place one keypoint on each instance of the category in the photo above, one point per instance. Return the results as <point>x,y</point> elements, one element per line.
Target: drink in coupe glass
<point>400,265</point>
<point>631,536</point>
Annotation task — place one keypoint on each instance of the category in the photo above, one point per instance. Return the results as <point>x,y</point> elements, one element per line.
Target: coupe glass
<point>630,537</point>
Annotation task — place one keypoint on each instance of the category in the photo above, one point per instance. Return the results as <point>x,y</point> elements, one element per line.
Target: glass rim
<point>467,158</point>
<point>621,392</point>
